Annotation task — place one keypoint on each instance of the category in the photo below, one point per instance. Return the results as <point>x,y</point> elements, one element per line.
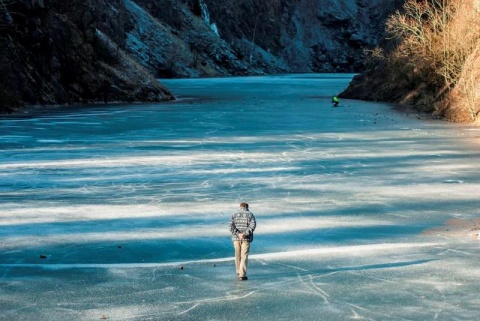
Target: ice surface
<point>101,206</point>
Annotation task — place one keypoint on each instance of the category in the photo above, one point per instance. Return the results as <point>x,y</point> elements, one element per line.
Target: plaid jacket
<point>242,222</point>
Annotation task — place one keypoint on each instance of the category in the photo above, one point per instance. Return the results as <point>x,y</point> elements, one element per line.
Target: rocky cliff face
<point>240,37</point>
<point>83,51</point>
<point>57,52</point>
<point>308,35</point>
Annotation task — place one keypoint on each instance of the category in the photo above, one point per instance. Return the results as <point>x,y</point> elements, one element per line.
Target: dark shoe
<point>242,278</point>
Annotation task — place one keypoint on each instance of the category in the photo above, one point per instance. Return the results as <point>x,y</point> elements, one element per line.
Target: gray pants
<point>242,248</point>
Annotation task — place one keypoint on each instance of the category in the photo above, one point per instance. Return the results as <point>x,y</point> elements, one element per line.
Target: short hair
<point>244,205</point>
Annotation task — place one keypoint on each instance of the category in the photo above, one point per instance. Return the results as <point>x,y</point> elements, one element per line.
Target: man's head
<point>244,206</point>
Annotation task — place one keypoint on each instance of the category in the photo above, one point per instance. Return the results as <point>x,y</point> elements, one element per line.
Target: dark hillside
<point>57,52</point>
<point>90,51</point>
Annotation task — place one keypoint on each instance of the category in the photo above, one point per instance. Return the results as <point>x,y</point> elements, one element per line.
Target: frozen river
<point>121,212</point>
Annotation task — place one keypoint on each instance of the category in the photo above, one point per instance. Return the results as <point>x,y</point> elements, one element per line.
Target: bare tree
<point>436,39</point>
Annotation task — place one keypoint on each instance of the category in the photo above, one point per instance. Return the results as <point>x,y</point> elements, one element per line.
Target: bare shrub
<point>436,39</point>
<point>464,43</point>
<point>419,27</point>
<point>465,98</point>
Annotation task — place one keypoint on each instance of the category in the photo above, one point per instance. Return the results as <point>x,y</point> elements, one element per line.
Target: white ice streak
<point>53,235</point>
<point>322,148</point>
<point>296,255</point>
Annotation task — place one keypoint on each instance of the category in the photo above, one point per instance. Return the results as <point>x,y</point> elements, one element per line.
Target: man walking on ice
<point>242,224</point>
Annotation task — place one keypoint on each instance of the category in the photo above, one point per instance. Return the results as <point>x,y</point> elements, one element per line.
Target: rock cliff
<point>308,35</point>
<point>90,51</point>
<point>69,51</point>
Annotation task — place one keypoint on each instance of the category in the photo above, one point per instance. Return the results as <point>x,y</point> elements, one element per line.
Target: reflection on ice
<point>100,206</point>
